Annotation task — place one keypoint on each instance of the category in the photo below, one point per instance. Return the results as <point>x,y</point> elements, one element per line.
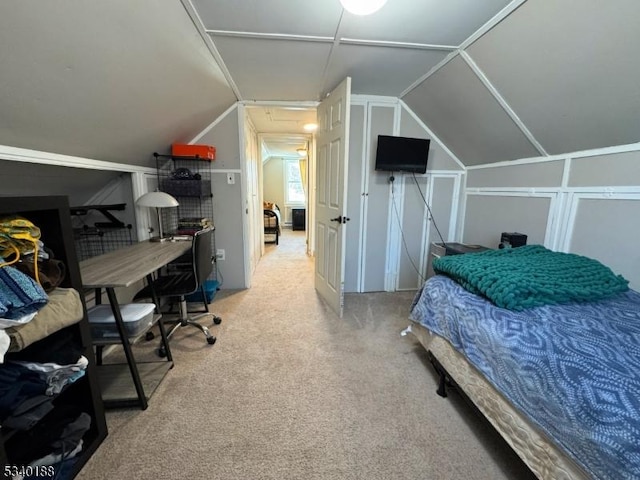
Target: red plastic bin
<point>205,152</point>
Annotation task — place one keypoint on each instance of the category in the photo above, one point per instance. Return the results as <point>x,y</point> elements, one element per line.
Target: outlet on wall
<point>220,254</point>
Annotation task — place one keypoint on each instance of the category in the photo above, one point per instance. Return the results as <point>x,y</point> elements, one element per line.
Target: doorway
<point>285,181</point>
<point>284,160</point>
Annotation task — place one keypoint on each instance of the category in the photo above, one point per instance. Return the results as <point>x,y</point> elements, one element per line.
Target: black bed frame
<point>445,380</point>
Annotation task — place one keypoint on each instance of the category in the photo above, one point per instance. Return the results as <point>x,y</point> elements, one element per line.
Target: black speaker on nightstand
<point>512,240</point>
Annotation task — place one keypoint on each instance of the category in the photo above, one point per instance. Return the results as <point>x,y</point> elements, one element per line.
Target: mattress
<point>573,370</point>
<point>544,459</point>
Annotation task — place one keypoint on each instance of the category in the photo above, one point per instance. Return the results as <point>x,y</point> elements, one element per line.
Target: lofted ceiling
<point>288,50</point>
<point>495,80</point>
<point>300,50</point>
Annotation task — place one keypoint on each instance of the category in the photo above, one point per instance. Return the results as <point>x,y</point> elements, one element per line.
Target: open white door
<point>332,147</point>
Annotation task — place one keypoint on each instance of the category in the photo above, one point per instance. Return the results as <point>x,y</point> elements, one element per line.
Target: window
<point>294,193</point>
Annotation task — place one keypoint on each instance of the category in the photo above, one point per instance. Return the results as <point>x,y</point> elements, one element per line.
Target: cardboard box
<point>204,152</point>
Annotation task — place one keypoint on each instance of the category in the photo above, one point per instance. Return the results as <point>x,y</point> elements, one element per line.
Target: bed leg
<point>442,384</point>
<point>442,375</point>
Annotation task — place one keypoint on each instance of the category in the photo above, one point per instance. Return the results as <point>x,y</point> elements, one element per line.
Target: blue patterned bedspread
<point>573,370</point>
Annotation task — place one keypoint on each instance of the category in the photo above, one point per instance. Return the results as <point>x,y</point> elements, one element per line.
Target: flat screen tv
<point>395,154</point>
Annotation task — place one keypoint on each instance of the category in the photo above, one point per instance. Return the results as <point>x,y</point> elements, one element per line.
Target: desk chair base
<point>185,320</point>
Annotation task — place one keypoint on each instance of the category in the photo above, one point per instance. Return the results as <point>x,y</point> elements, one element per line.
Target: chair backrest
<point>202,255</point>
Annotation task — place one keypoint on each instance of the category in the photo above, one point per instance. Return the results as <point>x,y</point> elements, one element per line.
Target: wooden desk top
<point>123,267</point>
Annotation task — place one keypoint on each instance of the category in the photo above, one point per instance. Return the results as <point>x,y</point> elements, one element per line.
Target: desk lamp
<point>157,200</point>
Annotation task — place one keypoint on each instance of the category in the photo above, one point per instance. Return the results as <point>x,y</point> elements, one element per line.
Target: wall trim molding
<point>502,102</point>
<point>280,103</point>
<point>495,20</point>
<point>26,155</point>
<point>383,100</point>
<point>432,135</point>
<point>213,50</point>
<point>573,200</point>
<point>595,152</point>
<point>553,215</point>
<point>213,124</point>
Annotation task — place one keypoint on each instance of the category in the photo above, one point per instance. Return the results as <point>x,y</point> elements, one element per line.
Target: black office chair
<point>271,225</point>
<point>177,285</point>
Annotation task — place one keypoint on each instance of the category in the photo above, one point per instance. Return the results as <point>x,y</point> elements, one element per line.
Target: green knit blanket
<point>531,276</point>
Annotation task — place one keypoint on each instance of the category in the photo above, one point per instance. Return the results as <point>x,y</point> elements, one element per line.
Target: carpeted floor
<point>290,391</point>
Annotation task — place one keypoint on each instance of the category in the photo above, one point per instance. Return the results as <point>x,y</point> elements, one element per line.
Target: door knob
<point>337,219</point>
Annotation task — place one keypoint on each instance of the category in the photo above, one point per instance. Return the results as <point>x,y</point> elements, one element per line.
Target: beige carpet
<point>290,391</point>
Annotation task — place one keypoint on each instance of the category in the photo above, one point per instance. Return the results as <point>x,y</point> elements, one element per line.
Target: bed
<point>560,381</point>
<point>272,223</point>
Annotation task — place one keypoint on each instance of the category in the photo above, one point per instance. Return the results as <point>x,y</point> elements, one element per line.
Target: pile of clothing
<point>39,356</point>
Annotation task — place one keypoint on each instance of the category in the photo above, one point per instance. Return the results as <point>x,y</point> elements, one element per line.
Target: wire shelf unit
<point>93,238</point>
<point>188,179</point>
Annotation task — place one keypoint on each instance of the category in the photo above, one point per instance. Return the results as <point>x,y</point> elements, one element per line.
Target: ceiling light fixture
<point>362,7</point>
<point>302,152</point>
<point>310,127</point>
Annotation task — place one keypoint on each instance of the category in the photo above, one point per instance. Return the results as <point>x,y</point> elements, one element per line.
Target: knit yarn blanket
<point>531,276</point>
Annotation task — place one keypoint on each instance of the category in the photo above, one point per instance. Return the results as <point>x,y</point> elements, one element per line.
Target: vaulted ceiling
<point>495,80</point>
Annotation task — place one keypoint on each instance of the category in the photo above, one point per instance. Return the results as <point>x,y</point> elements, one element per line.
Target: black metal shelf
<point>195,194</point>
<point>52,215</point>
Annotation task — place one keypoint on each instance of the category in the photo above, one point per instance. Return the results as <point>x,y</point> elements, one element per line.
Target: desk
<point>122,268</point>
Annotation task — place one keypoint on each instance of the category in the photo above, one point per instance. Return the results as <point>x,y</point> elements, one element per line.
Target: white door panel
<point>332,157</point>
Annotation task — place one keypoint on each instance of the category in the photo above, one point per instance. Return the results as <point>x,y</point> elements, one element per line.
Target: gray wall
<point>228,209</point>
<point>20,179</point>
<point>84,185</point>
<point>111,81</point>
<point>387,235</point>
<point>490,215</point>
<point>552,77</point>
<point>587,203</point>
<point>273,183</point>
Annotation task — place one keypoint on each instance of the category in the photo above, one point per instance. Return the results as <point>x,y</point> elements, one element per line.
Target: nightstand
<point>438,250</point>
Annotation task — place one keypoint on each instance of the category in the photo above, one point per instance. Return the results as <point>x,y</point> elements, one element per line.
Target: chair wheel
<point>162,352</point>
<point>217,320</point>
<point>149,336</point>
<point>211,340</point>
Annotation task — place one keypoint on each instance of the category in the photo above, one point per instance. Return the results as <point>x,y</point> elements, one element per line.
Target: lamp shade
<point>156,199</point>
<point>362,7</point>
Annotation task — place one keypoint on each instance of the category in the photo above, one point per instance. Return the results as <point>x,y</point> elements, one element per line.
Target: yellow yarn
<point>18,236</point>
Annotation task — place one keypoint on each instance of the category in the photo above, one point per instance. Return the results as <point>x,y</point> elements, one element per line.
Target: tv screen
<point>395,154</point>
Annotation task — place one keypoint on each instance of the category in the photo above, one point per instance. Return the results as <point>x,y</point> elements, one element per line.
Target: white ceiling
<point>285,129</point>
<point>300,50</point>
<point>290,50</point>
